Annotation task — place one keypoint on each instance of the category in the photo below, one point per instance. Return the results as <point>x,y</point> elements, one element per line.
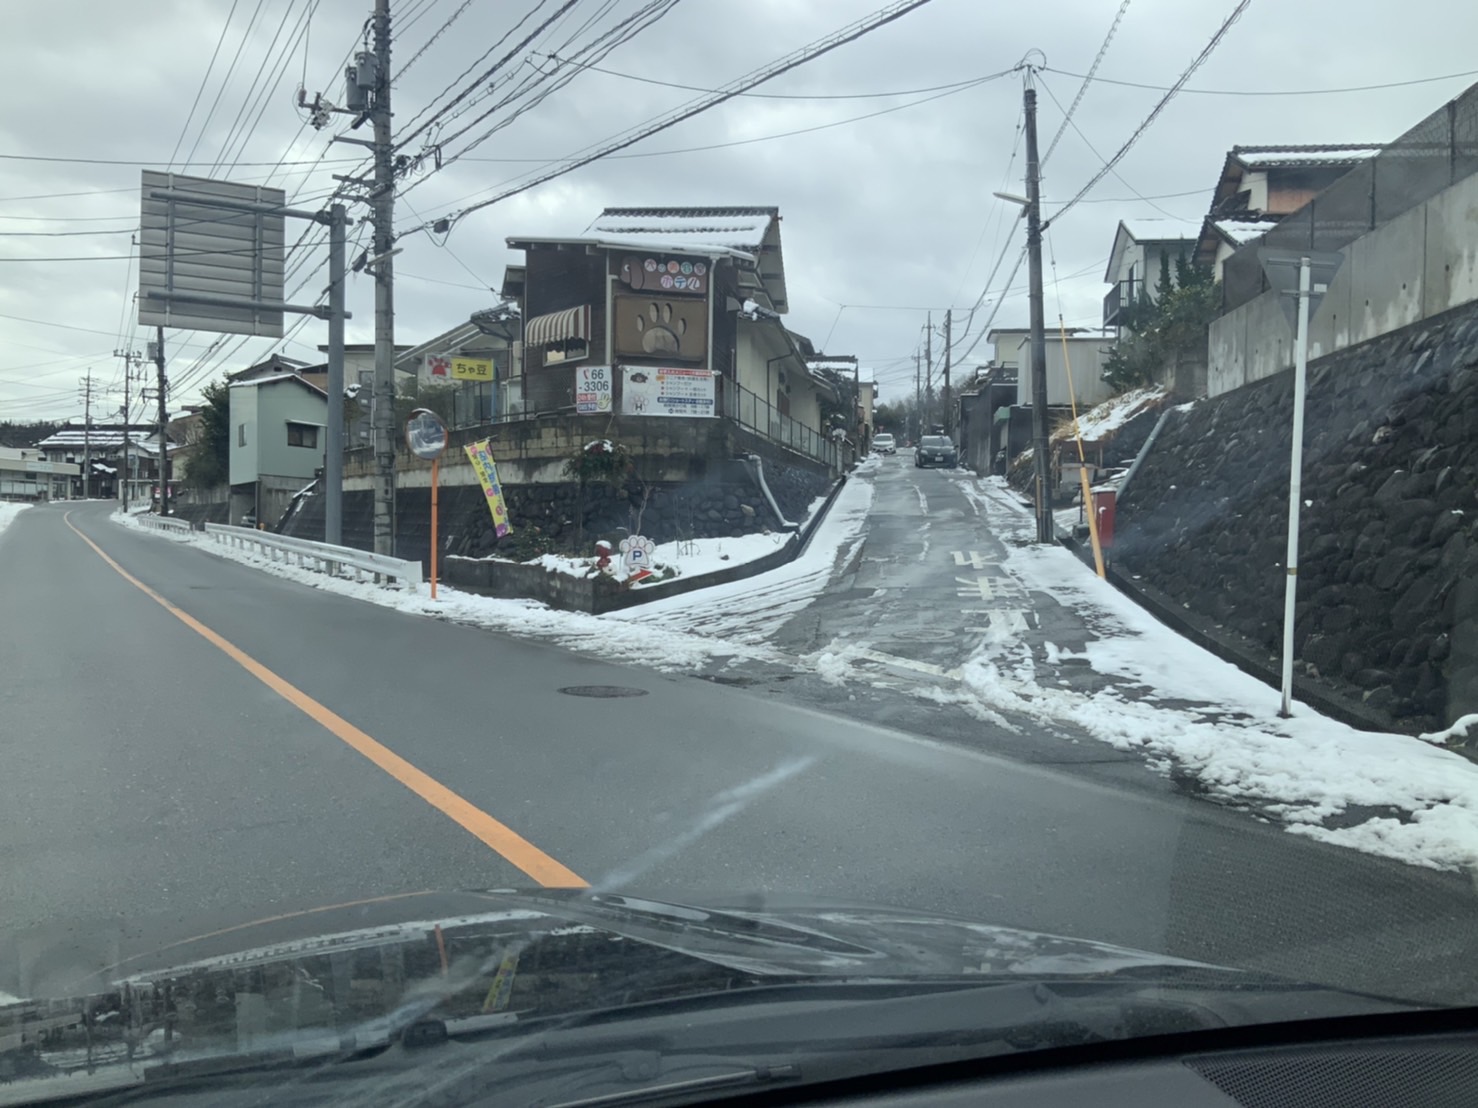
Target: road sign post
<point>1300,278</point>
<point>425,435</point>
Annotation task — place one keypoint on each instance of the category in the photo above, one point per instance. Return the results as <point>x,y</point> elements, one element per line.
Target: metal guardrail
<point>164,523</point>
<point>336,561</point>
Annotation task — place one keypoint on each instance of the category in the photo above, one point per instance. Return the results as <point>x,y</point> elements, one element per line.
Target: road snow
<point>1221,726</point>
<point>9,511</point>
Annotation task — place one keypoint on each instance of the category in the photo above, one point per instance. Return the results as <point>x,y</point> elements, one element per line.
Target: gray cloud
<point>881,214</point>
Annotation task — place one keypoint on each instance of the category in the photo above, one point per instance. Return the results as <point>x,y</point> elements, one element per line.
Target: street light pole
<point>1040,461</point>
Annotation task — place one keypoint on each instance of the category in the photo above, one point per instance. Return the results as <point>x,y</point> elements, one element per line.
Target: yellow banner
<point>487,473</point>
<point>472,369</point>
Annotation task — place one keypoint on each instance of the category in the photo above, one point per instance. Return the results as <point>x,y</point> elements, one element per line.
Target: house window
<point>302,434</point>
<point>241,434</point>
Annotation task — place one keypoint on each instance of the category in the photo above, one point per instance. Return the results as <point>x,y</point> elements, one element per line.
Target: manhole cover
<point>602,690</point>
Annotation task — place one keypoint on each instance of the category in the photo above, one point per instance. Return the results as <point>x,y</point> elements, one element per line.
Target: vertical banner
<point>487,473</point>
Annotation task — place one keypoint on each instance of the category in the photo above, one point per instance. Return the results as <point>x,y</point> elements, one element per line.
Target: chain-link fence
<point>1438,152</point>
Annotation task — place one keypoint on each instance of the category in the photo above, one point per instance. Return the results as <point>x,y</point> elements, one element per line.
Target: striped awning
<point>569,325</point>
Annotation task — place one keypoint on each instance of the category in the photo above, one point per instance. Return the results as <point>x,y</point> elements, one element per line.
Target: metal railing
<point>335,561</point>
<point>164,523</point>
<point>751,410</point>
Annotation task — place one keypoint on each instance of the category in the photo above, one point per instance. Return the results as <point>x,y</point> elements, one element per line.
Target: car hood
<point>359,978</point>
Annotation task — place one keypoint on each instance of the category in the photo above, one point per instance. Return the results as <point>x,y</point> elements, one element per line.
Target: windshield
<point>452,446</point>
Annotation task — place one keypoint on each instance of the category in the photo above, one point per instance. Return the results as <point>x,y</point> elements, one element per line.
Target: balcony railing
<point>751,410</point>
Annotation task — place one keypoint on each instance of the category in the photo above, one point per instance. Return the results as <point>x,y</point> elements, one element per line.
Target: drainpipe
<point>757,467</point>
<point>1143,452</point>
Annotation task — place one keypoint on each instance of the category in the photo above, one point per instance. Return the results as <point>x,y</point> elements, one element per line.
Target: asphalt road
<point>236,746</point>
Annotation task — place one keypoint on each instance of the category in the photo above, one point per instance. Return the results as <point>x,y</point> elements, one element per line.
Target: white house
<point>1135,262</point>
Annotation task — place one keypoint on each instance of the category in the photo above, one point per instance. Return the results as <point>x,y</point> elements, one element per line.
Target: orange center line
<point>508,843</point>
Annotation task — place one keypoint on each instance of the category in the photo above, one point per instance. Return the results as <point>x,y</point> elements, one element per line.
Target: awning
<point>570,325</point>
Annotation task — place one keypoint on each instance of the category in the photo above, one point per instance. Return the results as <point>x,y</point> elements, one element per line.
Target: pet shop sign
<point>667,391</point>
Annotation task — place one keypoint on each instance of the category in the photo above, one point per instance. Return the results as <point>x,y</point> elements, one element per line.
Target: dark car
<point>936,450</point>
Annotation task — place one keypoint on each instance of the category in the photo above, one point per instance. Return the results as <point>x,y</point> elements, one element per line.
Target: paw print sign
<point>660,332</point>
<point>636,553</point>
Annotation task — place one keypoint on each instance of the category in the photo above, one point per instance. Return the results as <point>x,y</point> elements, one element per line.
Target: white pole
<point>1295,484</point>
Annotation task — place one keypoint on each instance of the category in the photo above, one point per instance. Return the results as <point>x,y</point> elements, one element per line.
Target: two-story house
<point>684,307</point>
<point>1260,185</point>
<point>278,425</point>
<point>1136,260</point>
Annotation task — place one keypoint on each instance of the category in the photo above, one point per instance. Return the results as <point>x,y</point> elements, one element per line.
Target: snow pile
<point>1459,730</point>
<point>1102,422</point>
<point>9,511</point>
<point>683,558</point>
<point>1192,713</point>
<point>673,635</point>
<point>748,611</point>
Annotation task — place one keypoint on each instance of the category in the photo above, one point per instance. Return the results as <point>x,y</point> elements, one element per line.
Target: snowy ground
<point>9,511</point>
<point>678,634</point>
<point>1191,712</point>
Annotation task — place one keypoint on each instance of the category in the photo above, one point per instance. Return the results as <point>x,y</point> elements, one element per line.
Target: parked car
<point>936,450</point>
<point>884,444</point>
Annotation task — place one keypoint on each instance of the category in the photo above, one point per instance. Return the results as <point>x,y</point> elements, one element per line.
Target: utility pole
<point>928,375</point>
<point>87,436</point>
<point>382,215</point>
<point>1041,463</point>
<point>948,408</point>
<point>163,424</point>
<point>918,392</point>
<point>131,358</point>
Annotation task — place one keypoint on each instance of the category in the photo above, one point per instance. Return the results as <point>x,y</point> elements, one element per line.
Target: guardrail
<point>336,561</point>
<point>164,523</point>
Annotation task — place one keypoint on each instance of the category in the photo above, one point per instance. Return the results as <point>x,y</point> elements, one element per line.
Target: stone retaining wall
<point>1388,582</point>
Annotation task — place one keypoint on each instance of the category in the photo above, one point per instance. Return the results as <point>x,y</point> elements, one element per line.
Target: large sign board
<point>667,391</point>
<point>659,326</point>
<point>195,257</point>
<point>665,274</point>
<point>444,369</point>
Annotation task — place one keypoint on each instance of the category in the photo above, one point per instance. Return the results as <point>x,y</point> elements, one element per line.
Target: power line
<point>1069,122</point>
<point>969,81</point>
<point>204,81</point>
<point>632,136</point>
<point>431,41</point>
<point>1196,63</point>
<point>1083,88</point>
<point>226,80</point>
<point>1269,92</point>
<point>783,134</point>
<point>496,66</point>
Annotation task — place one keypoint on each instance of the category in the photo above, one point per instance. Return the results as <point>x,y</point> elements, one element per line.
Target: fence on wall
<point>1438,152</point>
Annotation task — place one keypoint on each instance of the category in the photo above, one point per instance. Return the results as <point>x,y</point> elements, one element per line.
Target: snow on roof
<point>735,228</point>
<point>1284,157</point>
<point>670,244</point>
<point>1161,230</point>
<point>1104,421</point>
<point>255,381</point>
<point>1242,233</point>
<point>99,437</point>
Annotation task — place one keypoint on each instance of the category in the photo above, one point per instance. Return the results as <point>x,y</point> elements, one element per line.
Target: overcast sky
<point>883,217</point>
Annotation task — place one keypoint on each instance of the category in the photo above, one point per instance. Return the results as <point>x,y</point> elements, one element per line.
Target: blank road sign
<point>209,267</point>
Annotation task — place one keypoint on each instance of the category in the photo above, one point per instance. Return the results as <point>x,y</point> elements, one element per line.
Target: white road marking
<point>977,589</point>
<point>974,559</point>
<point>905,663</point>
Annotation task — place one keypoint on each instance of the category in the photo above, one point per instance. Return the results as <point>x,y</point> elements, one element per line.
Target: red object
<point>602,555</point>
<point>1104,504</point>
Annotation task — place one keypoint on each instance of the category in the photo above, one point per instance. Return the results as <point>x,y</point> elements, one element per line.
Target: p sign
<point>636,553</point>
